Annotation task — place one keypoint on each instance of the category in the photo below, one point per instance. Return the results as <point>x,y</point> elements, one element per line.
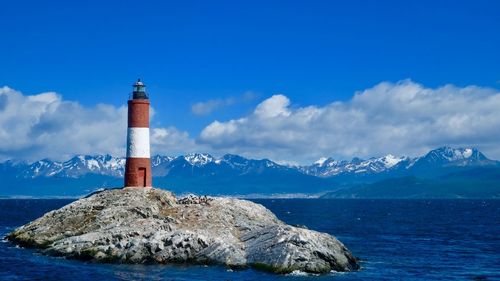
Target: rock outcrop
<point>151,226</point>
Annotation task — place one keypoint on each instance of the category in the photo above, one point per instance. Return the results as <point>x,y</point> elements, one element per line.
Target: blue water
<point>395,239</point>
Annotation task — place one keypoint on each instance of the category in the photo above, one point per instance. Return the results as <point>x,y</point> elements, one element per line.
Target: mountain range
<point>441,173</point>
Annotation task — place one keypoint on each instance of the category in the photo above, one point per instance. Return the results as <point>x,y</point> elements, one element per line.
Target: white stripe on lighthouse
<point>138,143</point>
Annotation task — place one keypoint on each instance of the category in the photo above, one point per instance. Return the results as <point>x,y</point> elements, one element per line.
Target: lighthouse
<point>138,165</point>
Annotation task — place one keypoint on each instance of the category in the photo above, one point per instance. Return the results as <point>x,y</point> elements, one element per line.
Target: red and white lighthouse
<point>138,165</point>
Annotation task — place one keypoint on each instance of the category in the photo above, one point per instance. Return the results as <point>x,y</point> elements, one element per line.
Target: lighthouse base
<point>138,173</point>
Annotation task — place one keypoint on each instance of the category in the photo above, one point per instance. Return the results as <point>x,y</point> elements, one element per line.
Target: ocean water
<point>395,240</point>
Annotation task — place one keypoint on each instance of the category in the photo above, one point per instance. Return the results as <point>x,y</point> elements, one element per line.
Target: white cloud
<point>46,126</point>
<point>171,141</point>
<point>209,106</point>
<point>402,118</point>
<point>275,106</point>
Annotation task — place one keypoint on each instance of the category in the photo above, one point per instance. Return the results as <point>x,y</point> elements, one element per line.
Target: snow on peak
<point>199,158</point>
<point>452,154</point>
<point>467,153</point>
<point>269,164</point>
<point>321,161</point>
<point>327,167</point>
<point>92,164</point>
<point>459,154</point>
<point>391,160</point>
<point>157,160</point>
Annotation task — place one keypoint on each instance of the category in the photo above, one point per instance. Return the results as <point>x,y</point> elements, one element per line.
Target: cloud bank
<point>46,126</point>
<point>404,118</point>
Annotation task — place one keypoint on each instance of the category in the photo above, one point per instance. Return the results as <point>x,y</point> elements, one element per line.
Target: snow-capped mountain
<point>447,156</point>
<point>202,164</point>
<point>329,167</point>
<point>75,167</point>
<point>191,164</point>
<point>232,174</point>
<point>437,158</point>
<point>199,159</point>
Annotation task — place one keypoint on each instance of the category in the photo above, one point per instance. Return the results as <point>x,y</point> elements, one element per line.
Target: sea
<point>394,240</point>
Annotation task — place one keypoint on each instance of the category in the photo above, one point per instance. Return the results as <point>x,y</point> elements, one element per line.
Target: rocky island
<point>149,225</point>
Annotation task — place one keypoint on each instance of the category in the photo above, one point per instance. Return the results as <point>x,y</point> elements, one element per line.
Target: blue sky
<point>236,54</point>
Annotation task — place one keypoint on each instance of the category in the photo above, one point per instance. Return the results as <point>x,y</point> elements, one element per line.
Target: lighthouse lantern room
<point>138,164</point>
